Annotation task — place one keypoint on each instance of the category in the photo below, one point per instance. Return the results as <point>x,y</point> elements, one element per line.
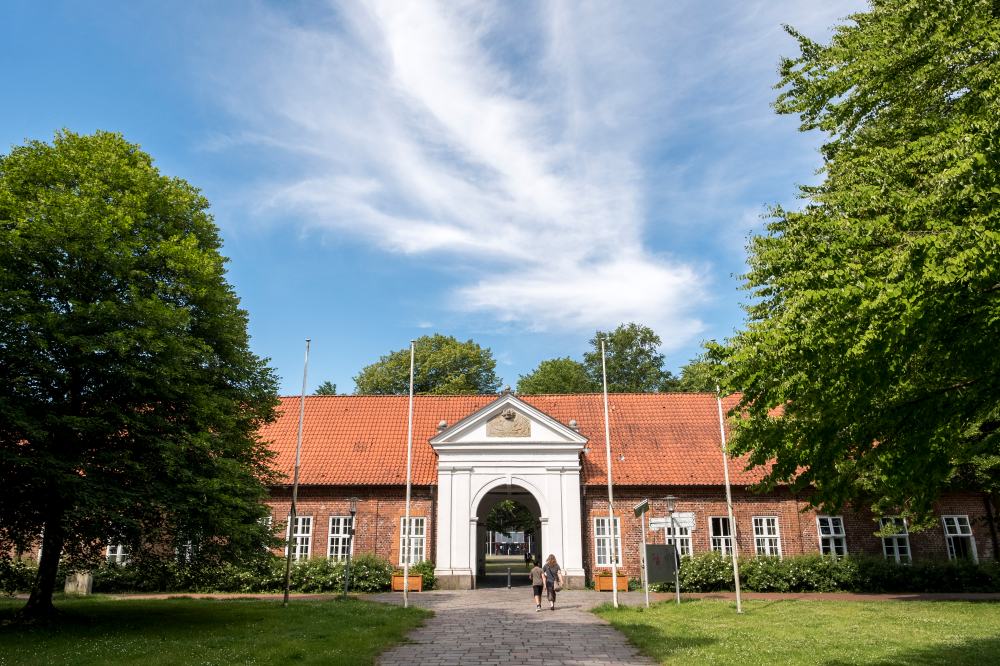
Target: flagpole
<point>729,502</point>
<point>409,471</point>
<point>611,497</point>
<point>295,478</point>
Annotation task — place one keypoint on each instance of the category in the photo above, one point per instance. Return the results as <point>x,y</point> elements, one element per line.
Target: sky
<point>517,173</point>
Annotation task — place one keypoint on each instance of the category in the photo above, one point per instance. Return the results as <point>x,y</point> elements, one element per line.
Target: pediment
<point>508,421</point>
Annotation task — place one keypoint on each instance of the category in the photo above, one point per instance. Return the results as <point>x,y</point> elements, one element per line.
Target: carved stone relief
<point>509,423</point>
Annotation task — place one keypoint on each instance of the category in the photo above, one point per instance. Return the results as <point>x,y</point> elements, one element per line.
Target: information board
<point>660,562</point>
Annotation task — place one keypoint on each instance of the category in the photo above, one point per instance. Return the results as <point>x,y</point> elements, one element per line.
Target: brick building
<point>548,453</point>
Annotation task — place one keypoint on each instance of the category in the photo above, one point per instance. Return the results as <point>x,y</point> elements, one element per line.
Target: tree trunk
<point>39,606</point>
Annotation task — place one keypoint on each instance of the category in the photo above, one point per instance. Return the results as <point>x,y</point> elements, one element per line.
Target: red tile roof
<point>656,439</point>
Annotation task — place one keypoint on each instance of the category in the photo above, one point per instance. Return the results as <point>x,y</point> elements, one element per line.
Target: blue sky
<point>518,173</point>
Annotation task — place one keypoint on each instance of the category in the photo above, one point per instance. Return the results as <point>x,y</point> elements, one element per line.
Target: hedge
<point>711,572</point>
<point>368,574</point>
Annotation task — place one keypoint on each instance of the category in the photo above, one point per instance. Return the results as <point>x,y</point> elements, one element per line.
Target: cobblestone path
<point>500,626</point>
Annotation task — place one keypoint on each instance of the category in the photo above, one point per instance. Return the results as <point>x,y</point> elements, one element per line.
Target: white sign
<point>682,520</point>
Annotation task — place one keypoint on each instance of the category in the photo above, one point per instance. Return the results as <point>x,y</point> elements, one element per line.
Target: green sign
<point>641,508</point>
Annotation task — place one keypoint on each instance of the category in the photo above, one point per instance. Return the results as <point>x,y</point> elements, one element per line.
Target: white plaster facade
<point>475,461</point>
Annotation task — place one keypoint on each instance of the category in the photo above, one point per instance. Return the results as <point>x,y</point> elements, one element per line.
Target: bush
<point>368,574</point>
<point>710,572</point>
<point>16,575</point>
<point>426,571</point>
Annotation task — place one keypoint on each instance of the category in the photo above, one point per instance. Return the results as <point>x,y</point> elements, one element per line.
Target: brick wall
<point>377,523</point>
<point>797,526</point>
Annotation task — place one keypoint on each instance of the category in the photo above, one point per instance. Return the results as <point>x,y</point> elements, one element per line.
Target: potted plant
<point>604,581</point>
<point>416,581</point>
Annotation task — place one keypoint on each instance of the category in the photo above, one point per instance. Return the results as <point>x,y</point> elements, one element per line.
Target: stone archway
<point>487,562</point>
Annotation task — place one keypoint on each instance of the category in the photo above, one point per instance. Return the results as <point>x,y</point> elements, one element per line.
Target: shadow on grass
<point>184,630</point>
<point>164,615</point>
<point>659,644</point>
<point>974,652</point>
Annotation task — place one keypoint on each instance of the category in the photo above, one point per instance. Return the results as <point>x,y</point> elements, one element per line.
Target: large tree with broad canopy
<point>876,305</point>
<point>130,401</point>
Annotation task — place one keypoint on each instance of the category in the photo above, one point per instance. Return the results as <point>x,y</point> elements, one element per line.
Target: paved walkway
<point>500,626</point>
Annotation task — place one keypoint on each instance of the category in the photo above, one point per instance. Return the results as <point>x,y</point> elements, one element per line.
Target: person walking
<point>537,583</point>
<point>553,579</point>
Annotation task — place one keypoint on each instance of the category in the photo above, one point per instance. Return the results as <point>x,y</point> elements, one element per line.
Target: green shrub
<point>16,575</point>
<point>426,571</point>
<point>710,572</point>
<point>368,574</point>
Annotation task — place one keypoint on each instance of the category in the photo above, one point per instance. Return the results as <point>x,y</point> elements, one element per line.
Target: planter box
<point>416,583</point>
<point>603,583</point>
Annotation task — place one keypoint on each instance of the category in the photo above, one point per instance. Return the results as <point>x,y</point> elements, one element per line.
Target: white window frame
<point>301,539</point>
<point>962,530</point>
<point>832,536</point>
<point>766,543</point>
<point>601,525</point>
<point>684,545</point>
<point>721,543</point>
<point>339,543</point>
<point>899,540</point>
<point>116,554</point>
<point>418,539</point>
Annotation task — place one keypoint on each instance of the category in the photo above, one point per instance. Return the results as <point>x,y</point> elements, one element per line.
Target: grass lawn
<point>187,631</point>
<point>814,632</point>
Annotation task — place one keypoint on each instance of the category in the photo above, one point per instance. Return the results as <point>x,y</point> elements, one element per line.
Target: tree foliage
<point>509,516</point>
<point>129,398</point>
<point>326,388</point>
<point>876,310</point>
<point>634,362</point>
<point>442,365</point>
<point>557,375</point>
<point>699,375</point>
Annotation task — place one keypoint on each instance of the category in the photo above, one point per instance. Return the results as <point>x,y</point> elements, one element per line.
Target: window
<point>958,537</point>
<point>683,521</point>
<point>602,542</point>
<point>116,554</point>
<point>721,535</point>
<point>301,538</point>
<point>418,540</point>
<point>340,545</point>
<point>895,546</point>
<point>766,538</point>
<point>832,538</point>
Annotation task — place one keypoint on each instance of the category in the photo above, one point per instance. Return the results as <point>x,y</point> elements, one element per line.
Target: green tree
<point>442,365</point>
<point>634,362</point>
<point>699,375</point>
<point>557,375</point>
<point>876,307</point>
<point>129,399</point>
<point>326,388</point>
<point>509,516</point>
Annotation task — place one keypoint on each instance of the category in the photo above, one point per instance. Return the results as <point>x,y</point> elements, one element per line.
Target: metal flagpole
<point>295,478</point>
<point>677,558</point>
<point>729,503</point>
<point>611,497</point>
<point>645,567</point>
<point>409,471</point>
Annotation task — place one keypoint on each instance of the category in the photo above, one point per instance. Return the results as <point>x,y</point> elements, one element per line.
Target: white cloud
<point>494,133</point>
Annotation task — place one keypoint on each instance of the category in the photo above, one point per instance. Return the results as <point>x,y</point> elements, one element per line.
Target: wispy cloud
<point>510,135</point>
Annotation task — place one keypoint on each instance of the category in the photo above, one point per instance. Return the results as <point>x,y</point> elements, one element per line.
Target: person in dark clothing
<point>553,579</point>
<point>537,584</point>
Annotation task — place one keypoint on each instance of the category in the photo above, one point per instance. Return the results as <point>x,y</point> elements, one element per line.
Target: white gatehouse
<point>507,449</point>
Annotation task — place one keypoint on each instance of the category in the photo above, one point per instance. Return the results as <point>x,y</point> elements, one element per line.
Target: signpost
<point>640,511</point>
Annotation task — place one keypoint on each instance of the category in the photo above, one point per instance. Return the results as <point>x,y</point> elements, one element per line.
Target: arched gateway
<point>507,445</point>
